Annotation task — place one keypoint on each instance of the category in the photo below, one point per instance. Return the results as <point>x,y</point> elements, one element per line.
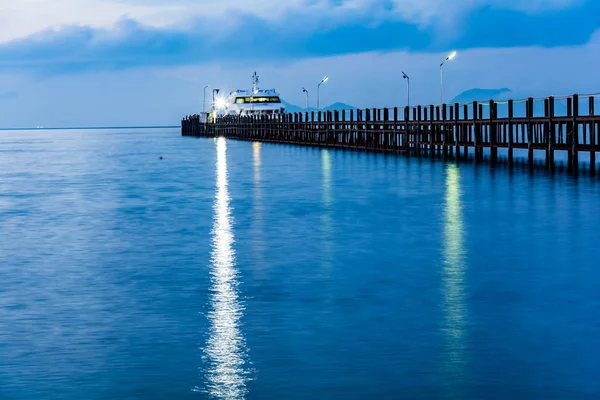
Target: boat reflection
<point>227,373</point>
<point>453,279</point>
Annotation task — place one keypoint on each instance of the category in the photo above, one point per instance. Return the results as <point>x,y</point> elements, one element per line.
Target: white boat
<point>254,102</point>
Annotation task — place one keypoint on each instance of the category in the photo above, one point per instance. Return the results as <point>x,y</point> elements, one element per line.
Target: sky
<point>146,62</point>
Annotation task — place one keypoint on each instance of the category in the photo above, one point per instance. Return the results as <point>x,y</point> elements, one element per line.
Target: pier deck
<point>451,130</point>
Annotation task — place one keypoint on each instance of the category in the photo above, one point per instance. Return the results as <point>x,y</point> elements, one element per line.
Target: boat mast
<point>254,90</point>
<point>254,83</point>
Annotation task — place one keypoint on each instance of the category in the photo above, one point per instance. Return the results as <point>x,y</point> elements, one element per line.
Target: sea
<point>139,264</point>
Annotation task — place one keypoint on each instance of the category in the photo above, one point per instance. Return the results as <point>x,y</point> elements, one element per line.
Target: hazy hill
<point>476,94</point>
<point>339,106</point>
<point>292,108</point>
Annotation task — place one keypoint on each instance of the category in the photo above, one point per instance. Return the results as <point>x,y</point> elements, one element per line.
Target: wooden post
<point>415,126</point>
<point>386,129</point>
<point>358,122</point>
<point>343,129</point>
<point>493,132</point>
<point>466,134</point>
<point>328,119</point>
<point>511,132</point>
<point>418,133</point>
<point>569,128</point>
<point>351,128</point>
<point>530,131</point>
<point>437,130</point>
<point>431,128</point>
<point>407,128</point>
<point>394,143</point>
<point>575,143</point>
<point>550,133</point>
<point>311,132</point>
<point>366,135</point>
<point>477,132</point>
<point>444,129</point>
<point>592,138</point>
<point>374,128</point>
<point>456,130</point>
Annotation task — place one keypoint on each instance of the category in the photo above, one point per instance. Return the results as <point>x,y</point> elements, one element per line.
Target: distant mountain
<point>483,96</point>
<point>476,94</point>
<point>339,106</point>
<point>292,108</point>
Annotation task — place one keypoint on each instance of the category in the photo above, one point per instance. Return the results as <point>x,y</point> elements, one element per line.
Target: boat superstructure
<point>255,101</point>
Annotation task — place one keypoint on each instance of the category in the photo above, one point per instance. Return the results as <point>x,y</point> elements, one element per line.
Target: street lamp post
<point>214,92</point>
<point>407,88</point>
<point>306,91</point>
<point>319,89</point>
<point>214,108</point>
<point>450,57</point>
<point>204,103</point>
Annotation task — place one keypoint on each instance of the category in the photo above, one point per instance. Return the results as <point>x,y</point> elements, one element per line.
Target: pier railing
<point>448,129</point>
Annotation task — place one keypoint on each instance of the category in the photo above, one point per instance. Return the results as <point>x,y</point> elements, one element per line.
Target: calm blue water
<point>236,270</point>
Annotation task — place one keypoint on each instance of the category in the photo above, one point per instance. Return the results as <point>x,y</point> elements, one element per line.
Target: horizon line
<point>90,128</point>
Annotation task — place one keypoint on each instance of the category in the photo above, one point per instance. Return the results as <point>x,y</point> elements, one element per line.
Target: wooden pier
<point>450,130</point>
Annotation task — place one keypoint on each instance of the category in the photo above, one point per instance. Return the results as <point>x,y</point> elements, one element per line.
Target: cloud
<point>162,95</point>
<point>19,19</point>
<point>129,43</point>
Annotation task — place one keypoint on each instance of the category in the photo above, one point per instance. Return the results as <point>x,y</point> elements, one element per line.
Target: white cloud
<point>20,18</point>
<point>365,80</point>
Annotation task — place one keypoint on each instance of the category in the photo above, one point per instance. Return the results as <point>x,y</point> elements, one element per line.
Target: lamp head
<point>451,56</point>
<point>404,75</point>
<point>325,79</point>
<point>221,103</point>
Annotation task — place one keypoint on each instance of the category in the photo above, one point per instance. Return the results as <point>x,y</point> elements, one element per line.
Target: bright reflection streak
<point>326,218</point>
<point>454,275</point>
<point>226,347</point>
<point>256,159</point>
<point>326,165</point>
<point>257,214</point>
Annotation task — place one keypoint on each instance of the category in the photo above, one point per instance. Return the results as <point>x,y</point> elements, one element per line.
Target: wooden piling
<point>457,130</point>
<point>493,132</point>
<point>511,132</point>
<point>477,132</point>
<point>419,130</point>
<point>569,131</point>
<point>551,134</point>
<point>575,142</point>
<point>592,137</point>
<point>529,113</point>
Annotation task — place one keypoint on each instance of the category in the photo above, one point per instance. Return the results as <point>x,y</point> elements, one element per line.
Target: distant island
<point>292,108</point>
<point>477,94</point>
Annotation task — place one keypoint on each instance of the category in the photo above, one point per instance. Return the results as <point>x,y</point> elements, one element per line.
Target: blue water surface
<point>240,270</point>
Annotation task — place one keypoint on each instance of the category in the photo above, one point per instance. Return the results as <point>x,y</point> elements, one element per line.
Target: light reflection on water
<point>454,270</point>
<point>326,165</point>
<point>326,217</point>
<point>225,349</point>
<point>257,213</point>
